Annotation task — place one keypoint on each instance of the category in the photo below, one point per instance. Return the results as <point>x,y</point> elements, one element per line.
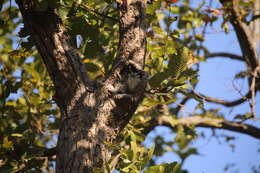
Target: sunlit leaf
<point>162,168</point>
<point>6,143</point>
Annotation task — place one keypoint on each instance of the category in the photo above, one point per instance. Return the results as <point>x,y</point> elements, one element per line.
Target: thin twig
<point>221,101</point>
<point>225,55</point>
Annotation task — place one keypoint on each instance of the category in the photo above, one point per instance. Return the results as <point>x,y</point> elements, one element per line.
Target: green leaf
<point>6,143</point>
<point>178,62</point>
<point>199,37</point>
<point>158,78</point>
<point>134,149</point>
<point>16,135</point>
<point>150,152</point>
<point>132,135</point>
<point>225,27</point>
<point>162,168</point>
<point>91,67</point>
<point>22,53</point>
<point>157,169</point>
<point>153,7</point>
<point>147,157</point>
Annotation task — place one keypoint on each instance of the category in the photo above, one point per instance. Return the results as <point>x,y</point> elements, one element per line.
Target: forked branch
<point>57,51</point>
<point>243,34</point>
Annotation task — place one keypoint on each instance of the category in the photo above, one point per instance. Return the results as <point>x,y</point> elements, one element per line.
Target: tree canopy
<point>172,33</point>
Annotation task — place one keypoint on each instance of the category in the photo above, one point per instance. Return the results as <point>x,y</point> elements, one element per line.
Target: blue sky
<point>216,80</point>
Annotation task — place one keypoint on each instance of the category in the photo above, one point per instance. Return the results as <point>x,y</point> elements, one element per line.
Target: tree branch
<point>223,102</point>
<point>57,51</point>
<point>255,17</point>
<point>132,45</point>
<point>90,117</point>
<point>130,58</point>
<point>180,106</point>
<point>205,122</point>
<point>243,34</point>
<point>226,55</point>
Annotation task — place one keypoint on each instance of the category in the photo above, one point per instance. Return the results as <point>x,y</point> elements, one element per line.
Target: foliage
<point>29,118</point>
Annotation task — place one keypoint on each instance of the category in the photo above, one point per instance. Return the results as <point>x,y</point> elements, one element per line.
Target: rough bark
<point>93,113</point>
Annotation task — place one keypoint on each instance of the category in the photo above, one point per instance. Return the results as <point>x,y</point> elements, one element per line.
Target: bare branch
<point>225,55</point>
<point>205,122</point>
<point>223,102</point>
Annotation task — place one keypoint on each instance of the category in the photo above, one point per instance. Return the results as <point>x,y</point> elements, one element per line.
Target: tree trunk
<point>92,113</point>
